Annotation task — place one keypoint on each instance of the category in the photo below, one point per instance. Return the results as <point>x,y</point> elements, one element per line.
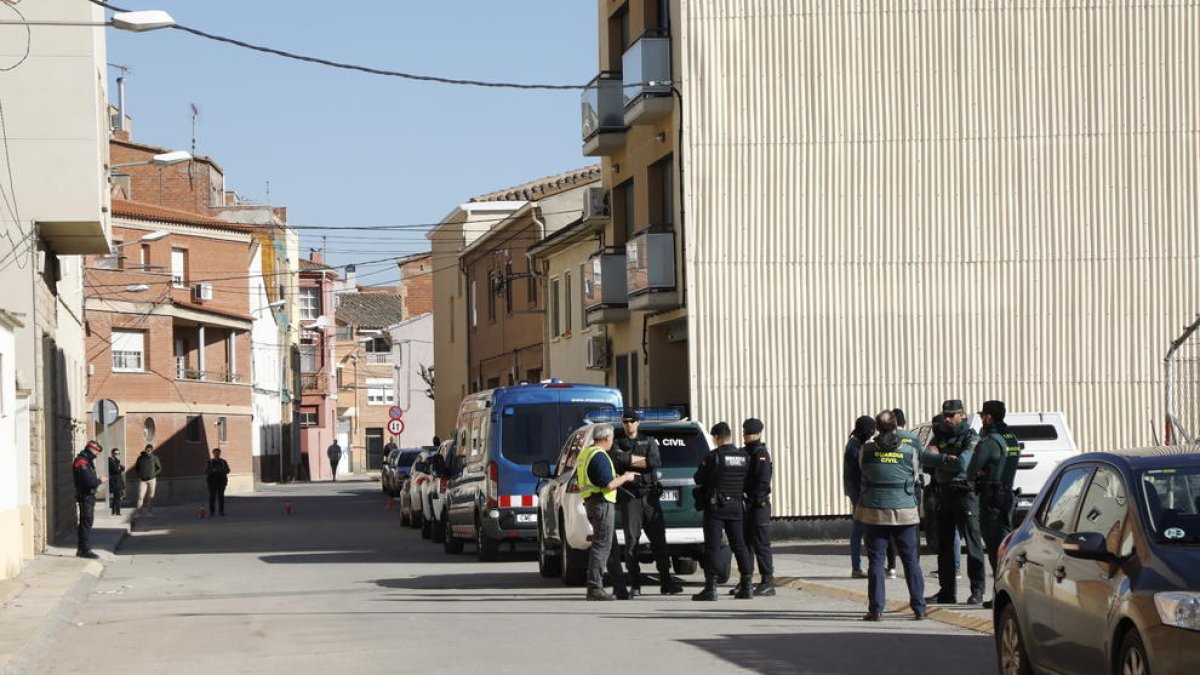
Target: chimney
<point>351,277</point>
<point>316,256</point>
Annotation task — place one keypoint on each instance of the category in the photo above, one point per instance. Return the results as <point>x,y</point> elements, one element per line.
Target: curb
<point>948,616</point>
<point>29,658</point>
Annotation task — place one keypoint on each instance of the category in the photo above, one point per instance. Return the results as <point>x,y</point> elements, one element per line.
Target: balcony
<point>605,294</point>
<point>219,376</point>
<point>379,358</point>
<point>603,115</point>
<point>650,270</point>
<point>646,67</point>
<point>314,383</point>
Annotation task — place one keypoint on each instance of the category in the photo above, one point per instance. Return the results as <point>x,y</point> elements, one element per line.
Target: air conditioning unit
<point>595,204</point>
<point>202,292</point>
<point>597,353</point>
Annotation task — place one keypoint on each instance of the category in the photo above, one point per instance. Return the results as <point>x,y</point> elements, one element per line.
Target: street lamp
<point>135,22</point>
<point>271,305</point>
<point>164,159</point>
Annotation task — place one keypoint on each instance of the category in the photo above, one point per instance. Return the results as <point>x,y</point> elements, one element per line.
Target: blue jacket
<point>851,473</point>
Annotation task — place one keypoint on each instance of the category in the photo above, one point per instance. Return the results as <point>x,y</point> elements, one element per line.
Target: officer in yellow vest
<point>598,485</point>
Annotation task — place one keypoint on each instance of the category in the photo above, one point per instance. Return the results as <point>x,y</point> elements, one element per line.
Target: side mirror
<point>541,469</point>
<point>1087,546</point>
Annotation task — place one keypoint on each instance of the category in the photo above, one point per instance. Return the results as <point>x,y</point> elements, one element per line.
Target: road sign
<point>105,411</point>
<point>395,427</point>
<point>395,412</point>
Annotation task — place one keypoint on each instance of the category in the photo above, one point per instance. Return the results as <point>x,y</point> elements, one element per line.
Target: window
<point>345,332</point>
<point>112,261</point>
<point>534,375</point>
<point>144,255</point>
<point>583,294</point>
<point>379,351</point>
<point>309,363</point>
<point>310,303</point>
<point>623,208</point>
<point>508,275</point>
<point>658,14</point>
<point>493,382</point>
<point>618,37</point>
<point>662,191</point>
<point>531,287</point>
<point>1034,432</point>
<point>567,302</point>
<point>474,300</point>
<point>195,429</point>
<point>308,418</point>
<point>179,268</point>
<point>552,307</point>
<point>493,288</point>
<point>1058,512</point>
<point>128,351</point>
<point>222,429</point>
<point>1104,507</point>
<point>380,391</point>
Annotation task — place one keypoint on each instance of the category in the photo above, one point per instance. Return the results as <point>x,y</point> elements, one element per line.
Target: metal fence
<point>1183,387</point>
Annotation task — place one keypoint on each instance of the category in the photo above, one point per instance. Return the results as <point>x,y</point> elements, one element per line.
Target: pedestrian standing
<point>720,482</point>
<point>334,452</point>
<point>888,507</point>
<point>217,475</point>
<point>86,481</point>
<point>116,481</point>
<point>864,429</point>
<point>639,505</point>
<point>147,468</point>
<point>598,485</point>
<point>952,453</point>
<point>758,504</point>
<point>995,495</point>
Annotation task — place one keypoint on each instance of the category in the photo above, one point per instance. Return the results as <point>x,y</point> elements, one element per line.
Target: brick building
<point>168,334</point>
<point>416,284</point>
<point>318,381</point>
<point>365,376</point>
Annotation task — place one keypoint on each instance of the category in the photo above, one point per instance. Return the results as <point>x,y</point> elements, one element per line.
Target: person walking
<point>598,484</point>
<point>757,522</point>
<point>147,468</point>
<point>887,506</point>
<point>864,429</point>
<point>952,454</point>
<point>720,483</point>
<point>83,471</point>
<point>639,505</point>
<point>217,475</point>
<point>116,481</point>
<point>334,452</point>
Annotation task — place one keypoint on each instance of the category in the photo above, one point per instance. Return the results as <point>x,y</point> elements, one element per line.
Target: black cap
<point>994,408</point>
<point>721,430</point>
<point>864,427</point>
<point>952,406</point>
<point>752,426</point>
<point>631,415</point>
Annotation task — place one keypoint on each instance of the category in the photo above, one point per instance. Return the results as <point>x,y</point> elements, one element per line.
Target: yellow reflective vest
<point>581,474</point>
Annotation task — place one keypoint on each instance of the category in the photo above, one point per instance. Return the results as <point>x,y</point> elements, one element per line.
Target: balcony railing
<point>379,358</point>
<point>650,269</point>
<point>314,382</point>
<point>605,290</point>
<point>646,67</point>
<point>220,376</point>
<point>603,113</point>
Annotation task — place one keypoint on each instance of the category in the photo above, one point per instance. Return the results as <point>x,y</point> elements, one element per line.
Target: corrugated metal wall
<point>893,203</point>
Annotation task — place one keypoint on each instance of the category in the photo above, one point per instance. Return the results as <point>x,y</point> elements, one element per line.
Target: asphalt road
<point>341,587</point>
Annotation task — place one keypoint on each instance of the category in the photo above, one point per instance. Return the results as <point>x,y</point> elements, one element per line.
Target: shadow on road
<point>858,652</point>
<point>499,581</point>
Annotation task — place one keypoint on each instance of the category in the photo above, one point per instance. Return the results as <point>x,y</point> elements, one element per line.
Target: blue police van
<point>500,434</point>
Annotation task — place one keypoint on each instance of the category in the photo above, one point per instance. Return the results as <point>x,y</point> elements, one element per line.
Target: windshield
<point>407,459</point>
<point>679,448</point>
<point>1172,498</point>
<point>536,433</point>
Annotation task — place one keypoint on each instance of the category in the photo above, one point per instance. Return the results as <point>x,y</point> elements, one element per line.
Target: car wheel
<point>1133,659</point>
<point>685,566</point>
<point>489,549</point>
<point>414,519</point>
<point>1010,646</point>
<point>437,533</point>
<point>548,565</point>
<point>452,545</point>
<point>724,564</point>
<point>403,513</point>
<point>426,528</point>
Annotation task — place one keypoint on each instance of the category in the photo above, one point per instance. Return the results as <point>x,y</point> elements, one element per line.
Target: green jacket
<point>963,467</point>
<point>889,482</point>
<point>1008,475</point>
<point>148,466</point>
<point>991,456</point>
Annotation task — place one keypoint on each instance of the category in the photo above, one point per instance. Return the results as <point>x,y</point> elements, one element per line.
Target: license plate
<point>669,496</point>
<point>526,517</point>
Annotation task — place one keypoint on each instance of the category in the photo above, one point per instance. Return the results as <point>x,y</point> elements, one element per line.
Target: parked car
<point>564,533</point>
<point>1104,576</point>
<point>443,469</point>
<point>412,511</point>
<point>397,463</point>
<point>500,434</point>
<point>1046,441</point>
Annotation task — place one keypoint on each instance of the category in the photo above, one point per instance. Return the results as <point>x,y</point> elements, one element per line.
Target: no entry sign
<point>395,427</point>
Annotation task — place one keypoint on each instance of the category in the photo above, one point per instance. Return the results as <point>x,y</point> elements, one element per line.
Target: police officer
<point>639,504</point>
<point>86,482</point>
<point>598,485</point>
<point>720,481</point>
<point>994,483</point>
<point>951,453</point>
<point>888,508</point>
<point>758,504</point>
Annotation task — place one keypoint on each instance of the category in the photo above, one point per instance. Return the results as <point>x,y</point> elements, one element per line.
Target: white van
<point>1046,441</point>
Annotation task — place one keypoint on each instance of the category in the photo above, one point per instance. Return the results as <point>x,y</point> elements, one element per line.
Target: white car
<point>411,502</point>
<point>442,469</point>
<point>1046,442</point>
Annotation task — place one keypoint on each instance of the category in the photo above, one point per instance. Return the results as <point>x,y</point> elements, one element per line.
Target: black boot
<point>743,590</point>
<point>767,587</point>
<point>709,594</point>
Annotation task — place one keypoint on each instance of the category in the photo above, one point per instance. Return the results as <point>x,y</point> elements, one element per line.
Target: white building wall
<point>267,352</point>
<point>894,203</point>
<point>412,347</point>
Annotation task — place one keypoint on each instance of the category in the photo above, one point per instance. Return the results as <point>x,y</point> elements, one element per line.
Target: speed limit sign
<point>395,427</point>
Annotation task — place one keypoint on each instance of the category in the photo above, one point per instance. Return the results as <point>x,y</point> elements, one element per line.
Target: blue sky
<point>343,148</point>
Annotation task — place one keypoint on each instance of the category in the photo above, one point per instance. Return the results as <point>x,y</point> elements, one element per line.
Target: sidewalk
<point>40,601</point>
<point>824,567</point>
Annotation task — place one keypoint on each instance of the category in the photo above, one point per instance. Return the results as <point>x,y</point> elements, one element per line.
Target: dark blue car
<point>1104,574</point>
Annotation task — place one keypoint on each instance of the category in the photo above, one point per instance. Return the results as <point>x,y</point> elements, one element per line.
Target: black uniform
<point>116,484</point>
<point>86,482</point>
<point>958,508</point>
<point>640,509</point>
<point>758,506</point>
<point>217,475</point>
<point>721,479</point>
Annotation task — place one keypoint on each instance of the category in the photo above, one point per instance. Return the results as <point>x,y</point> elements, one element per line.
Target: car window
<point>1104,507</point>
<point>533,432</point>
<point>1034,432</point>
<point>1171,499</point>
<point>680,448</point>
<point>1058,512</point>
<point>475,437</point>
<point>407,459</point>
<point>571,450</point>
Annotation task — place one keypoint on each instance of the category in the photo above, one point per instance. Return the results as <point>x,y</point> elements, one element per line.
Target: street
<point>339,584</point>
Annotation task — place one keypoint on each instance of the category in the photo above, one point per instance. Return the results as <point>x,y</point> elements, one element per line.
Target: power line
<point>354,67</point>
